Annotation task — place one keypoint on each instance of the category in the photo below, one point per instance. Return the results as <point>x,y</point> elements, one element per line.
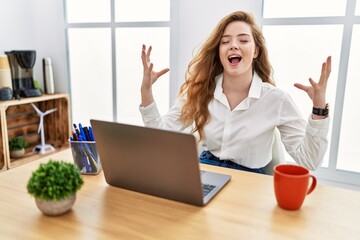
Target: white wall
<point>36,25</point>
<point>15,25</point>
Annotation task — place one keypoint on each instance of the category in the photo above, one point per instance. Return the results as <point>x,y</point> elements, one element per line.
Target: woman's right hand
<point>149,77</point>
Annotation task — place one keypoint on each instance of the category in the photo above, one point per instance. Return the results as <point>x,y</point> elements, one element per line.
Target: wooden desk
<point>245,209</point>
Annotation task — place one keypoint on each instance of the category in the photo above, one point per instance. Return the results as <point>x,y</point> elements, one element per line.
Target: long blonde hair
<point>199,82</point>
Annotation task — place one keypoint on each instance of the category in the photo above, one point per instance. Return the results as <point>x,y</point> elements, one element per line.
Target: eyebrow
<point>239,35</point>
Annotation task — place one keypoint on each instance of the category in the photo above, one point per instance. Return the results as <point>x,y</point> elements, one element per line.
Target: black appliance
<point>21,65</point>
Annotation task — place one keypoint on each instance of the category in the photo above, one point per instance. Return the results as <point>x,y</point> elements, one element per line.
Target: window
<point>105,38</point>
<point>300,35</point>
<point>129,66</point>
<point>91,82</point>
<point>304,8</point>
<point>348,143</point>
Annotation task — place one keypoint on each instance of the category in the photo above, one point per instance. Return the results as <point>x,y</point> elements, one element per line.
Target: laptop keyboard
<point>207,188</point>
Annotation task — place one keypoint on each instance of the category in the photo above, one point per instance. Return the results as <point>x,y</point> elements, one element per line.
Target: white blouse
<point>245,135</point>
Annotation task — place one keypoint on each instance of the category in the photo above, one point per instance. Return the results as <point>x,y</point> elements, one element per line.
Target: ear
<point>256,53</point>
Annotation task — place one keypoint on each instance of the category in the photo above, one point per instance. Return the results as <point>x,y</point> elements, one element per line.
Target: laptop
<point>153,161</point>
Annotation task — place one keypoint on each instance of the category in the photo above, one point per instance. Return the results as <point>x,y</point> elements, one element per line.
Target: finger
<point>148,54</point>
<point>301,87</point>
<point>325,71</point>
<point>162,72</point>
<point>314,84</point>
<point>151,66</point>
<point>143,57</point>
<point>328,65</point>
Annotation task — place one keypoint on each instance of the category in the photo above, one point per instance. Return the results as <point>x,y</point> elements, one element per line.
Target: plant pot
<point>54,208</point>
<point>17,153</point>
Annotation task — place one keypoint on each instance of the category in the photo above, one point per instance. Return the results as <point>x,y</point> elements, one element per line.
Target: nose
<point>233,45</point>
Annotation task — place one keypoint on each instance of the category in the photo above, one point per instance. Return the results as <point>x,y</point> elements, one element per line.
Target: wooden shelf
<point>18,118</point>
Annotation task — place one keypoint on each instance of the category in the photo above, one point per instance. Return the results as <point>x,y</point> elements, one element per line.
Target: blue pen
<point>82,132</point>
<point>86,131</point>
<point>91,134</point>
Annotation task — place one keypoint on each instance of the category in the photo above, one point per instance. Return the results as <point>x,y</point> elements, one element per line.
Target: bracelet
<point>321,111</point>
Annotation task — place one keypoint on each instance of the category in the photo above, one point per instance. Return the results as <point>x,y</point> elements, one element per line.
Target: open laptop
<point>156,162</point>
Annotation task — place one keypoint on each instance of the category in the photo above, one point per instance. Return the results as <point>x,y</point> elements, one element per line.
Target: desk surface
<point>245,209</point>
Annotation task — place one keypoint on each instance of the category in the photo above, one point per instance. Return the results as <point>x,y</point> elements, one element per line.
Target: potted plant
<point>17,147</point>
<point>54,185</point>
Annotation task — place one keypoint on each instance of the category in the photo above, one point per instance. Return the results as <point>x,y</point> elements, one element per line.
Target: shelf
<point>18,118</point>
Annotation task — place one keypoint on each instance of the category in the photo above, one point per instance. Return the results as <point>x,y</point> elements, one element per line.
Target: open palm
<point>317,90</point>
<point>150,76</point>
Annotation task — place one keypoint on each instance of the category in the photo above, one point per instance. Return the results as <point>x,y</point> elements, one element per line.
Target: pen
<point>86,131</point>
<point>77,131</point>
<point>91,134</point>
<point>74,136</point>
<point>82,132</point>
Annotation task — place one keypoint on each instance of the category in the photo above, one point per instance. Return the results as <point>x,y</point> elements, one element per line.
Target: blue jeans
<point>207,157</point>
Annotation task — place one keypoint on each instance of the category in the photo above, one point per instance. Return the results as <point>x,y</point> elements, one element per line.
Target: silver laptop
<point>156,162</point>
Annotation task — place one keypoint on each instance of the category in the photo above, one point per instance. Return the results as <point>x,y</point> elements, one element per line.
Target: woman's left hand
<point>317,90</point>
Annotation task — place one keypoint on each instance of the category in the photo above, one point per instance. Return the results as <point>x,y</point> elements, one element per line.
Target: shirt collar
<point>218,93</point>
<point>254,92</point>
<point>256,86</point>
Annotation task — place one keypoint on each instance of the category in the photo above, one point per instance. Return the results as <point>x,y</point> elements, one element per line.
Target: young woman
<point>229,99</point>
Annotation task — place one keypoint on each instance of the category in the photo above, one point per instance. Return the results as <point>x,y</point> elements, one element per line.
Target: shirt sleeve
<point>306,142</point>
<point>170,121</point>
<point>311,154</point>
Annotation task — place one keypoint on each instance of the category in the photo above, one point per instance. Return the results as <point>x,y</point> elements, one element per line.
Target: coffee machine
<point>21,64</point>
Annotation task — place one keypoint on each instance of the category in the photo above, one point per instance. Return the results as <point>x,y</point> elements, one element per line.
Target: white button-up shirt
<point>245,135</point>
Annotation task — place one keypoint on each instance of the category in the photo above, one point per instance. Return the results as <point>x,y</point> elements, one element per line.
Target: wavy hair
<point>200,76</point>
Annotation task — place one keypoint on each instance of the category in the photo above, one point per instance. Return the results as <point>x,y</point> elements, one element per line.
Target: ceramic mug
<point>291,185</point>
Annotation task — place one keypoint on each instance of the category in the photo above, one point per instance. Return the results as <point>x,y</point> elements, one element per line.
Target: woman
<point>229,99</point>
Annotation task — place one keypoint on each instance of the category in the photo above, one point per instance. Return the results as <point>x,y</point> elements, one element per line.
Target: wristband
<point>321,111</point>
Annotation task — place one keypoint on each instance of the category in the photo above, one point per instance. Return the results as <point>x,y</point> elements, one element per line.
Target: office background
<point>41,25</point>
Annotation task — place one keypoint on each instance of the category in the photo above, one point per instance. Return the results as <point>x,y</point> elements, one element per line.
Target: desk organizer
<point>86,156</point>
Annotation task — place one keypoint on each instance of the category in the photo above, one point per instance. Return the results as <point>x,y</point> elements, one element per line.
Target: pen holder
<point>86,157</point>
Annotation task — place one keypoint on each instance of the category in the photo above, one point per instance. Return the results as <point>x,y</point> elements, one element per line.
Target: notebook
<point>156,162</point>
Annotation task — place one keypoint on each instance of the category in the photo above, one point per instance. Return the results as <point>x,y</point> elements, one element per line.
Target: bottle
<point>48,76</point>
<point>5,72</point>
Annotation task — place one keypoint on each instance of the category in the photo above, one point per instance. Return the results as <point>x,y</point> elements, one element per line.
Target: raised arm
<point>149,77</point>
<point>317,90</point>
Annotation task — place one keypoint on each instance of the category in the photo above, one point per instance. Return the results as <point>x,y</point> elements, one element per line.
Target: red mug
<point>291,184</point>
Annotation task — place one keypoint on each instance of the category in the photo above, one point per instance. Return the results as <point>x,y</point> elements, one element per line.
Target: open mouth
<point>233,59</point>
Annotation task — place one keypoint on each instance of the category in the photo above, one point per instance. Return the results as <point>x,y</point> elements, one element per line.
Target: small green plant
<point>17,143</point>
<point>55,181</point>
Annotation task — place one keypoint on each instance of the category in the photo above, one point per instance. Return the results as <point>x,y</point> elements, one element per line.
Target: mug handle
<point>313,184</point>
